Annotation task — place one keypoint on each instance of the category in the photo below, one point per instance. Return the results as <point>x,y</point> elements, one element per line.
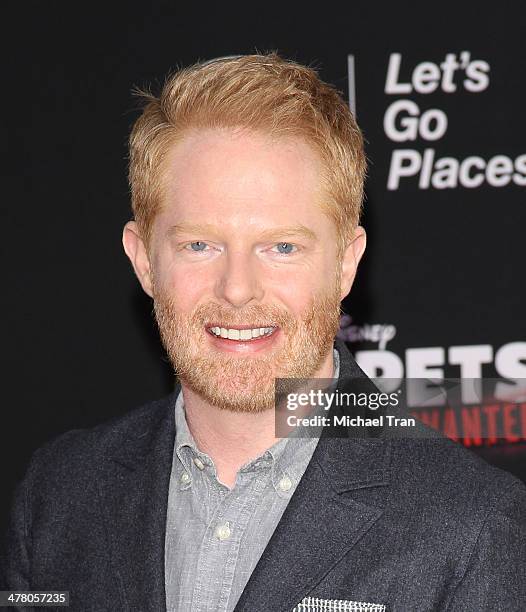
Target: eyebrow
<point>272,233</point>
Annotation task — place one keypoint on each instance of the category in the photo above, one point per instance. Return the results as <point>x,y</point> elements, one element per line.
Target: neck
<point>232,439</point>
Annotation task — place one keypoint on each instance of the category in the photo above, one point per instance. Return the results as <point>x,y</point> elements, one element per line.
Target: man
<point>246,178</point>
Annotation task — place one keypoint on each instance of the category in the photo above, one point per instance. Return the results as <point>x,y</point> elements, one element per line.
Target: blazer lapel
<point>134,495</point>
<point>320,525</point>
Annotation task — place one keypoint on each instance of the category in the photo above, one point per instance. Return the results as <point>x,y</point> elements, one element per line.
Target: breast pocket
<point>317,604</point>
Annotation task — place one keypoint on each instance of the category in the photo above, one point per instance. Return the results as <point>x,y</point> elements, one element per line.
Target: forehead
<point>223,172</point>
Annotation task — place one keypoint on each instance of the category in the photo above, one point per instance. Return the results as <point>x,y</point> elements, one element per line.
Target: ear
<point>136,251</point>
<point>351,258</point>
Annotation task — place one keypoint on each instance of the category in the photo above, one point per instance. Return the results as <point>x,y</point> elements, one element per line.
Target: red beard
<point>239,382</point>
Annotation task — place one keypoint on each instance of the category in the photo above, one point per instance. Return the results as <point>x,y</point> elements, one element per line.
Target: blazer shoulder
<point>77,451</point>
<point>451,480</point>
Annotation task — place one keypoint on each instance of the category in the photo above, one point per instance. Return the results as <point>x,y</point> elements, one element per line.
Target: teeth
<point>242,334</point>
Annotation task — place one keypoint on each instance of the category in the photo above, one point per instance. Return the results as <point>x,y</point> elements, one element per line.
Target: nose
<point>239,282</point>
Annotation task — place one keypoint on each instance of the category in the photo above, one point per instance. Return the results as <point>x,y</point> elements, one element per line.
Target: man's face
<point>242,243</point>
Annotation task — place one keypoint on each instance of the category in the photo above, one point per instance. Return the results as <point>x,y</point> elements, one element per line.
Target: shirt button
<point>185,478</point>
<point>285,483</point>
<point>198,463</point>
<point>223,531</point>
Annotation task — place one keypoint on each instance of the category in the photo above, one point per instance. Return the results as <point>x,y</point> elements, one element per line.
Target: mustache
<point>207,314</point>
<point>259,316</point>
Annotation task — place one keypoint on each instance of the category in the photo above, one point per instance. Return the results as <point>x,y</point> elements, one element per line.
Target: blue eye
<point>198,242</point>
<point>288,246</point>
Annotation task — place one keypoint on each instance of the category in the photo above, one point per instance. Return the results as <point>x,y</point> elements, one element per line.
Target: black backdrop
<point>445,255</point>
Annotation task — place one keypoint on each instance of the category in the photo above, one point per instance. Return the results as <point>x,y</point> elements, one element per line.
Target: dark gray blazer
<point>416,525</point>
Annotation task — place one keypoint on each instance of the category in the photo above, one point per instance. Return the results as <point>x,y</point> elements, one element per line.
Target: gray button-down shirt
<point>216,535</point>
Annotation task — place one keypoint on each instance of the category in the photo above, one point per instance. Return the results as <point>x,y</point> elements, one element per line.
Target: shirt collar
<point>292,454</point>
<point>185,445</point>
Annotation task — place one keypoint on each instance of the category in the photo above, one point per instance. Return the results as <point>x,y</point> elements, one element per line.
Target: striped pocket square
<point>315,604</point>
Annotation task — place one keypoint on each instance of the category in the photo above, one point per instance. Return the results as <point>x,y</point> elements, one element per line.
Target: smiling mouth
<point>241,333</point>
